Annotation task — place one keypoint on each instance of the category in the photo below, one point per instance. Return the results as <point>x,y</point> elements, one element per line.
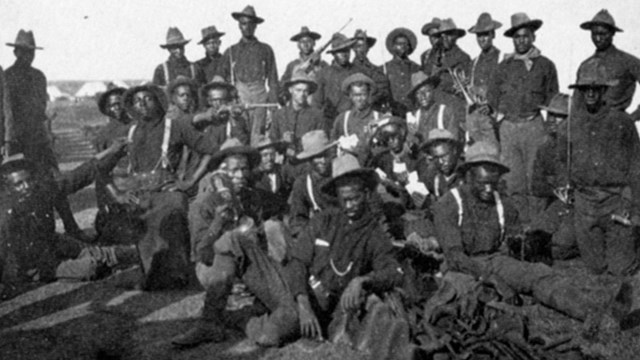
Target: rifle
<point>315,56</point>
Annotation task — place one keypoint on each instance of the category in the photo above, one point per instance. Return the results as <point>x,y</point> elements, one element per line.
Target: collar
<point>362,114</point>
<point>250,40</point>
<point>181,61</point>
<point>492,50</point>
<point>611,49</point>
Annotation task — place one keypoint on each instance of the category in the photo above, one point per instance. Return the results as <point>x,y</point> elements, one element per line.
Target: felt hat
<point>314,143</point>
<point>387,120</point>
<point>180,81</point>
<point>593,73</point>
<point>233,146</point>
<point>439,135</point>
<point>210,32</point>
<point>521,20</point>
<point>559,104</point>
<point>356,78</point>
<point>127,98</point>
<point>15,162</point>
<point>301,77</point>
<point>420,79</point>
<point>174,38</point>
<point>433,24</point>
<point>361,34</point>
<point>483,152</point>
<point>339,42</point>
<point>217,83</point>
<point>485,24</point>
<point>264,142</point>
<point>25,39</point>
<point>448,26</point>
<point>102,100</point>
<point>248,12</point>
<point>413,41</point>
<point>602,18</point>
<point>304,31</point>
<point>348,166</point>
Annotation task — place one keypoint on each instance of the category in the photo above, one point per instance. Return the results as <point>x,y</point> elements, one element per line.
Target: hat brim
<point>464,167</point>
<point>346,46</point>
<point>429,143</point>
<point>413,40</point>
<point>13,166</point>
<point>180,43</point>
<point>495,25</point>
<point>204,89</point>
<point>127,98</point>
<point>278,145</point>
<point>593,84</point>
<point>306,155</point>
<point>457,32</point>
<point>345,87</point>
<point>533,24</point>
<point>255,19</point>
<point>102,100</point>
<point>431,80</point>
<point>589,24</point>
<point>428,26</point>
<point>252,155</point>
<point>211,36</point>
<point>369,176</point>
<point>312,84</point>
<point>311,34</point>
<point>553,110</point>
<point>24,46</point>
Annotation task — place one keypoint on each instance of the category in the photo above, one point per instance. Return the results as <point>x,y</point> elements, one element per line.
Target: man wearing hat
<point>430,29</point>
<point>401,42</point>
<point>177,64</point>
<point>342,256</point>
<point>183,97</point>
<point>230,227</point>
<point>381,100</point>
<point>605,159</point>
<point>210,63</point>
<point>484,66</point>
<point>329,96</point>
<point>524,81</point>
<point>621,66</point>
<point>306,199</point>
<point>6,116</point>
<point>441,173</point>
<point>472,221</point>
<point>270,176</point>
<point>250,66</point>
<point>389,153</point>
<point>306,40</point>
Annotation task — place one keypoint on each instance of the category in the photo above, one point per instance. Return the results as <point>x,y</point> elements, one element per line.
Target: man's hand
<point>352,296</point>
<point>309,325</point>
<point>562,193</point>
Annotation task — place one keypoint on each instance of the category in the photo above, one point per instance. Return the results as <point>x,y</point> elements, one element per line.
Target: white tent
<point>92,88</point>
<point>119,83</point>
<point>55,93</point>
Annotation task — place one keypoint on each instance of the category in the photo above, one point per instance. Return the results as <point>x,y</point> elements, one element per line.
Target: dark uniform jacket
<point>399,73</point>
<point>176,68</point>
<point>210,66</point>
<point>438,63</point>
<point>484,67</point>
<point>27,89</point>
<point>301,206</point>
<point>298,122</point>
<point>329,96</point>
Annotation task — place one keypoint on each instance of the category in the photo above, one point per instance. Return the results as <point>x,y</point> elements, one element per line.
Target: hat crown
<point>360,34</point>
<point>440,134</point>
<point>230,143</point>
<point>559,104</point>
<point>518,19</point>
<point>344,164</point>
<point>174,35</point>
<point>264,141</point>
<point>485,23</point>
<point>304,30</point>
<point>249,10</point>
<point>25,38</point>
<point>603,16</point>
<point>593,72</point>
<point>339,40</point>
<point>210,31</point>
<point>314,140</point>
<point>218,79</point>
<point>482,151</point>
<point>447,24</point>
<point>418,77</point>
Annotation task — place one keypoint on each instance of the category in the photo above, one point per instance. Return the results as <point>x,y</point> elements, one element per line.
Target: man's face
<point>299,93</point>
<point>602,37</point>
<point>393,136</point>
<point>485,39</point>
<point>19,185</point>
<point>24,55</point>
<point>268,159</point>
<point>523,40</point>
<point>359,95</point>
<point>238,170</point>
<point>352,198</point>
<point>176,52</point>
<point>484,181</point>
<point>424,95</point>
<point>433,37</point>
<point>321,164</point>
<point>247,26</point>
<point>401,46</point>
<point>360,48</point>
<point>306,45</point>
<point>593,96</point>
<point>445,157</point>
<point>183,98</point>
<point>449,40</point>
<point>342,57</point>
<point>554,122</point>
<point>146,105</point>
<point>217,97</point>
<point>212,46</point>
<point>114,107</point>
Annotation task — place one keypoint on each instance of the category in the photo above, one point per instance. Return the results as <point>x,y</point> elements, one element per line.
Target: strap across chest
<point>499,209</point>
<point>164,148</point>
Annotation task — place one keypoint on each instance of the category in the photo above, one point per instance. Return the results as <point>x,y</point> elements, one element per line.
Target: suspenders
<point>165,67</point>
<point>311,196</point>
<point>499,209</point>
<point>440,123</point>
<point>347,115</point>
<point>166,136</point>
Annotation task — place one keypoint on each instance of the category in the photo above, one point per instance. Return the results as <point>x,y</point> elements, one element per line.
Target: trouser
<point>519,144</point>
<point>254,93</point>
<point>557,219</point>
<point>605,246</point>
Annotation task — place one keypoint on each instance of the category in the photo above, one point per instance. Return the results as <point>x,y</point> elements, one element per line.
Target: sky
<point>117,39</point>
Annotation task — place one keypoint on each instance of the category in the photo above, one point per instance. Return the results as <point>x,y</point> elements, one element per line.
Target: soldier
<point>210,63</point>
<point>270,176</point>
<point>250,66</point>
<point>177,64</point>
<point>362,44</point>
<point>306,40</point>
<point>401,43</point>
<point>390,154</point>
<point>6,116</point>
<point>485,65</point>
<point>441,173</point>
<point>524,81</point>
<point>183,97</point>
<point>621,66</point>
<point>430,29</point>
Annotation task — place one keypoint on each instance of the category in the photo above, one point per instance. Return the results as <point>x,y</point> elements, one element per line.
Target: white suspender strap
<point>228,131</point>
<point>441,116</point>
<point>165,143</point>
<point>376,115</point>
<point>418,116</point>
<point>456,195</point>
<point>311,196</point>
<point>165,67</point>
<point>346,122</point>
<point>436,186</point>
<point>193,70</point>
<point>132,130</point>
<point>500,210</point>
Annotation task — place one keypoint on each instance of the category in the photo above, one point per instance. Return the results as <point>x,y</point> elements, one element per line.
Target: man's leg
<point>532,135</point>
<point>511,156</point>
<point>590,238</point>
<point>621,251</point>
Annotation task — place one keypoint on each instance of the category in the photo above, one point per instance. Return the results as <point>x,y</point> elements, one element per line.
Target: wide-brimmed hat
<point>362,35</point>
<point>180,81</point>
<point>248,12</point>
<point>593,73</point>
<point>357,78</point>
<point>102,100</point>
<point>217,83</point>
<point>210,32</point>
<point>304,31</point>
<point>233,146</point>
<point>413,40</point>
<point>448,26</point>
<point>559,104</point>
<point>348,166</point>
<point>420,79</point>
<point>602,18</point>
<point>387,120</point>
<point>300,77</point>
<point>433,24</point>
<point>264,142</point>
<point>340,42</point>
<point>485,24</point>
<point>483,152</point>
<point>161,96</point>
<point>314,143</point>
<point>174,38</point>
<point>439,135</point>
<point>25,39</point>
<point>521,20</point>
<point>16,162</point>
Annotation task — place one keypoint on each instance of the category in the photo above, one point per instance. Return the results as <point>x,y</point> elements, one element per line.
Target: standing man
<point>381,99</point>
<point>485,65</point>
<point>430,29</point>
<point>524,81</point>
<point>306,40</point>
<point>177,64</point>
<point>621,66</point>
<point>210,63</point>
<point>250,66</point>
<point>6,117</point>
<point>401,43</point>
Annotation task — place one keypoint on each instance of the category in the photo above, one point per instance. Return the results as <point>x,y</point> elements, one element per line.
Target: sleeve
<point>634,161</point>
<point>386,270</point>
<point>336,130</point>
<point>41,96</point>
<point>319,95</point>
<point>288,71</point>
<point>194,139</point>
<point>224,70</point>
<point>540,185</point>
<point>493,93</point>
<point>552,86</point>
<point>302,256</point>
<point>241,129</point>
<point>634,68</point>
<point>201,76</point>
<point>158,76</point>
<point>201,215</point>
<point>272,75</point>
<point>298,206</point>
<point>3,106</point>
<point>78,178</point>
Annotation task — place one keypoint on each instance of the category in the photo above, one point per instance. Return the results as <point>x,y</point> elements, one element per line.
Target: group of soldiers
<point>293,196</point>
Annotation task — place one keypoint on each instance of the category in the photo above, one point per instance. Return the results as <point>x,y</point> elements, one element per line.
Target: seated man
<point>440,173</point>
<point>269,176</point>
<point>183,97</point>
<point>342,256</point>
<point>228,227</point>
